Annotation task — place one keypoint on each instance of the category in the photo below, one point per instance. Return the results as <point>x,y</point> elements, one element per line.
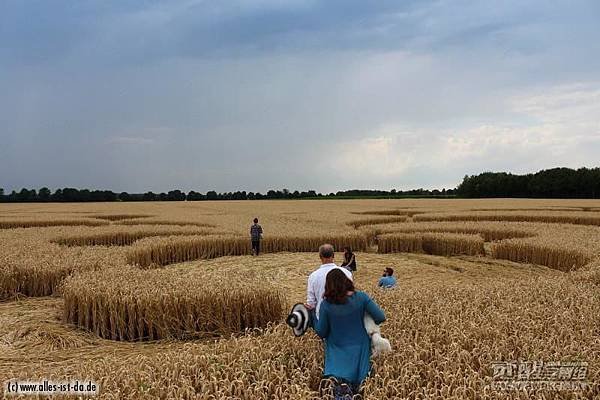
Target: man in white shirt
<point>316,280</point>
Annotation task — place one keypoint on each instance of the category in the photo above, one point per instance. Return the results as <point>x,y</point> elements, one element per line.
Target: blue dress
<point>347,344</point>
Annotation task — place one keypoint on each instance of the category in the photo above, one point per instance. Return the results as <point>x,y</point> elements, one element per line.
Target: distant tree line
<point>85,195</point>
<point>551,183</point>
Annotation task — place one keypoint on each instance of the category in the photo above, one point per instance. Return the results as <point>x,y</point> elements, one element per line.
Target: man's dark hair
<point>256,220</point>
<point>337,285</point>
<point>389,271</point>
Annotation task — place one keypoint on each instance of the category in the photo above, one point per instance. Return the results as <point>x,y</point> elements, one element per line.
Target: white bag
<point>379,344</point>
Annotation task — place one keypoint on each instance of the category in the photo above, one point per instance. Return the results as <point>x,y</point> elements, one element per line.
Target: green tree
<point>27,195</point>
<point>44,194</point>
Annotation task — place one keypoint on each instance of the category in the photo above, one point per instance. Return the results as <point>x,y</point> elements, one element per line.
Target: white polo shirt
<point>316,284</point>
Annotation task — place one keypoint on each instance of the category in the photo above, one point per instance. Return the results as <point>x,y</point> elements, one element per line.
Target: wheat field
<point>164,301</point>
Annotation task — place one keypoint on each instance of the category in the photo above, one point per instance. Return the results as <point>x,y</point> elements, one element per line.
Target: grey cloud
<point>254,95</point>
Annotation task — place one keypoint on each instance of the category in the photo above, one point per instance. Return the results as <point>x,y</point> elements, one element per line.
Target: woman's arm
<point>321,325</point>
<point>374,310</point>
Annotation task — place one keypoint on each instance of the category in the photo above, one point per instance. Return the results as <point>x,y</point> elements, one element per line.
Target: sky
<point>139,95</point>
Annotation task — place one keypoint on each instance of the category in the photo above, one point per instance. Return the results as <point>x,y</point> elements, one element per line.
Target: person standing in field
<point>340,323</point>
<point>316,281</point>
<point>256,232</point>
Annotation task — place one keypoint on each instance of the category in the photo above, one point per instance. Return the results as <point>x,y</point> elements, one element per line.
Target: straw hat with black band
<point>298,319</point>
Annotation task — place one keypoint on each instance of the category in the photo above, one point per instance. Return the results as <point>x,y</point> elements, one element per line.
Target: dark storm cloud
<point>145,95</point>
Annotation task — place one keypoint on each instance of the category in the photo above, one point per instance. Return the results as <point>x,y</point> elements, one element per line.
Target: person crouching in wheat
<point>347,342</point>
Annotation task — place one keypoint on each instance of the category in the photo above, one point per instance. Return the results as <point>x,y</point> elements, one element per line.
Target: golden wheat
<point>30,265</point>
<point>24,223</point>
<point>165,222</point>
<point>170,250</point>
<point>376,221</point>
<point>445,335</point>
<point>447,321</point>
<point>491,231</point>
<point>40,273</point>
<point>560,218</point>
<point>408,213</point>
<point>122,238</point>
<point>130,304</point>
<point>558,257</point>
<point>431,243</point>
<point>120,217</point>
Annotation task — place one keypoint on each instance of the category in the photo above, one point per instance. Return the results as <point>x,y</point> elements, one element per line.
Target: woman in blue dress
<point>340,323</point>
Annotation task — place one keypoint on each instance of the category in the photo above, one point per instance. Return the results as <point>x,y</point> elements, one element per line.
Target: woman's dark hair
<point>389,271</point>
<point>337,285</point>
<point>256,220</point>
<point>347,253</point>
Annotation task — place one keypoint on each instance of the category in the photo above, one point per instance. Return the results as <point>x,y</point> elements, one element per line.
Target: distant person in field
<point>341,325</point>
<point>388,280</point>
<point>349,259</point>
<point>256,232</point>
<point>316,281</point>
